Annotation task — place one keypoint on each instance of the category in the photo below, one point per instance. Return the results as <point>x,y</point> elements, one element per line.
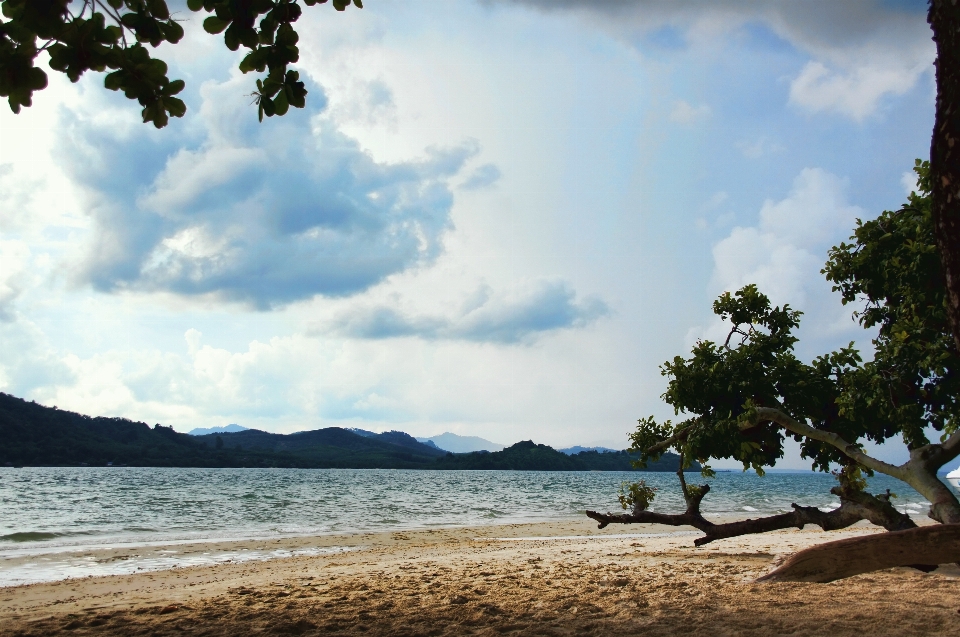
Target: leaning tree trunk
<point>944,18</point>
<point>928,545</point>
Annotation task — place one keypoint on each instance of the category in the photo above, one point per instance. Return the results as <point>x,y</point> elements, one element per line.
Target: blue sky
<point>495,218</point>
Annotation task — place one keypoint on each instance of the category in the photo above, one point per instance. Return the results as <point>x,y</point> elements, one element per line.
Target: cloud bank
<point>264,214</point>
<point>788,246</point>
<point>517,316</point>
<point>784,253</point>
<point>863,50</point>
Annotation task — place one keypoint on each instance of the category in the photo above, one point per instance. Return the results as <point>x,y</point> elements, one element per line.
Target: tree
<point>917,398</point>
<point>741,398</point>
<point>109,36</point>
<point>944,19</point>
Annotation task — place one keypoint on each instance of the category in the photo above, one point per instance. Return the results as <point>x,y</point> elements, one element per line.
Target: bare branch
<point>733,330</point>
<point>736,330</point>
<point>852,509</point>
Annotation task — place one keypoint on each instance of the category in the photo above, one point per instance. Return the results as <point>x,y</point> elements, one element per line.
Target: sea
<point>54,519</point>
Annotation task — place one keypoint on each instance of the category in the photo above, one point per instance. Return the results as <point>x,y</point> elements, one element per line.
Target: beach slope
<point>559,578</point>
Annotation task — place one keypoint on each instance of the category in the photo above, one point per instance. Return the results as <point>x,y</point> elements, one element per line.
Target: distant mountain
<point>461,444</point>
<point>331,447</point>
<point>577,449</point>
<point>228,429</point>
<point>36,435</point>
<point>32,434</point>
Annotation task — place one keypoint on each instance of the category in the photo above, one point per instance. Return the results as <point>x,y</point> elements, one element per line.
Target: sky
<point>494,217</point>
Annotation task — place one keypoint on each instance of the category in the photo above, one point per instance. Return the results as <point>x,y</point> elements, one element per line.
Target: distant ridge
<point>46,436</point>
<point>577,449</point>
<point>226,429</point>
<point>461,444</point>
<point>35,435</point>
<point>331,447</point>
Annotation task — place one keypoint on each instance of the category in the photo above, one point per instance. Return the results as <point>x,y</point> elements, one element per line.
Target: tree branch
<point>920,472</point>
<point>951,447</point>
<point>853,508</point>
<point>852,451</point>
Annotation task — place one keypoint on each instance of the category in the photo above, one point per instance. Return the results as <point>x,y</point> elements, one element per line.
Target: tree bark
<point>929,545</point>
<point>944,19</point>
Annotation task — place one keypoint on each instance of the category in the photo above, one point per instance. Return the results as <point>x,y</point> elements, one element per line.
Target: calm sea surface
<point>69,511</point>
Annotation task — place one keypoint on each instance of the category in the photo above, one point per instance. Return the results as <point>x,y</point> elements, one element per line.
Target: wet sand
<point>570,580</point>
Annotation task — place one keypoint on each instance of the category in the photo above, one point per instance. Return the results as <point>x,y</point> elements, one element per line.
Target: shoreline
<point>562,577</point>
<point>36,563</point>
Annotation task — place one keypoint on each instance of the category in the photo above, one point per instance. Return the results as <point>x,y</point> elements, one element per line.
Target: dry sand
<point>472,582</point>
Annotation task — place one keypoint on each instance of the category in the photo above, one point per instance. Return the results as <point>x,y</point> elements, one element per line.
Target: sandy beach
<point>552,578</point>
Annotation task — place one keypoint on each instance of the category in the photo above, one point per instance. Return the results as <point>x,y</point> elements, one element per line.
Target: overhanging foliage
<point>111,36</point>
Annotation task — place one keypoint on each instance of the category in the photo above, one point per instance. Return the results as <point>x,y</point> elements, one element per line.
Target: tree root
<point>919,547</point>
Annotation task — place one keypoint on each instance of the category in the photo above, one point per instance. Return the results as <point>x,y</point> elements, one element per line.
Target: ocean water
<point>52,519</point>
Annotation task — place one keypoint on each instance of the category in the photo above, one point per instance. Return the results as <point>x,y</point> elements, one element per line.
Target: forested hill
<point>31,434</point>
<point>530,456</point>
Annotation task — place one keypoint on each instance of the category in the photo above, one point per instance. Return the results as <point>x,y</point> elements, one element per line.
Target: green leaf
<point>175,106</point>
<point>172,32</point>
<point>250,61</point>
<point>174,87</point>
<point>249,38</point>
<point>113,81</point>
<point>268,106</point>
<point>214,25</point>
<point>159,9</point>
<point>232,38</point>
<point>280,103</point>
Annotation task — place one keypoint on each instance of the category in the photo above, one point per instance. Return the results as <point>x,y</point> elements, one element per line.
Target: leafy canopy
<point>112,36</point>
<point>891,272</point>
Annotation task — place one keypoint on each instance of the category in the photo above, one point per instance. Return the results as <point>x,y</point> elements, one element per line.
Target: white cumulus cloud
<point>517,315</point>
<point>855,92</point>
<point>784,252</point>
<point>264,214</point>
